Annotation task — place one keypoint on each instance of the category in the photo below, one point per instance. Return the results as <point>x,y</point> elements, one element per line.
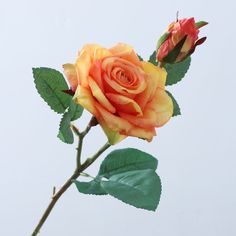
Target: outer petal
<point>71,74</point>
<point>163,106</point>
<point>99,95</point>
<point>147,121</point>
<point>156,78</point>
<point>156,113</point>
<point>83,65</point>
<point>114,137</point>
<point>113,122</point>
<point>87,56</point>
<point>126,52</point>
<point>142,133</point>
<point>125,104</point>
<point>84,97</point>
<point>96,52</point>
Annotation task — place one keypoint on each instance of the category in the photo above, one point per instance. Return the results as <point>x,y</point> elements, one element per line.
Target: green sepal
<point>176,110</point>
<point>174,53</point>
<point>162,39</point>
<point>177,71</point>
<point>200,24</point>
<point>153,58</point>
<point>50,84</point>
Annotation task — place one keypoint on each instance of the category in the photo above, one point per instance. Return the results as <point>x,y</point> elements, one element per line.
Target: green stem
<point>79,169</point>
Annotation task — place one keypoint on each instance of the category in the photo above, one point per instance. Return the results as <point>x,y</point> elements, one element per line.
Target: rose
<point>180,40</point>
<point>127,96</point>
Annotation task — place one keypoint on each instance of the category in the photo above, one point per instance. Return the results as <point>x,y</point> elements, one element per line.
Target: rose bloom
<point>177,31</point>
<point>127,96</point>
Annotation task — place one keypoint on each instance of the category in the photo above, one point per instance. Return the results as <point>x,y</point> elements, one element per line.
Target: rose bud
<point>179,41</point>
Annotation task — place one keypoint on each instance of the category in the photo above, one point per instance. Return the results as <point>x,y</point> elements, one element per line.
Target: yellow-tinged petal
<point>148,120</point>
<point>96,52</point>
<point>113,137</point>
<point>112,121</point>
<point>71,74</point>
<point>83,65</point>
<point>99,95</point>
<point>162,105</point>
<point>126,52</point>
<point>142,133</point>
<point>125,104</point>
<point>84,97</point>
<point>156,78</point>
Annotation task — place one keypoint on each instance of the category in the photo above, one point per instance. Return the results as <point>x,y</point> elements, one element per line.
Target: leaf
<point>174,53</point>
<point>139,188</point>
<point>75,111</point>
<point>50,85</point>
<point>65,133</point>
<point>130,177</point>
<point>200,24</point>
<point>153,58</point>
<point>176,111</point>
<point>177,71</point>
<point>127,159</point>
<point>162,39</point>
<point>92,187</point>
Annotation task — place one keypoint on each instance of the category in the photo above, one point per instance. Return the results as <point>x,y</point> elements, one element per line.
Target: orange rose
<point>126,95</point>
<point>181,36</point>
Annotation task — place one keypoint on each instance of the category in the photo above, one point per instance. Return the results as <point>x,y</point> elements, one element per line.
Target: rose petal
<point>83,65</point>
<point>126,52</point>
<point>163,106</point>
<point>142,133</point>
<point>96,52</point>
<point>114,137</point>
<point>125,104</point>
<point>84,97</point>
<point>156,78</point>
<point>71,74</point>
<point>96,73</point>
<point>99,95</point>
<point>112,121</point>
<point>156,113</point>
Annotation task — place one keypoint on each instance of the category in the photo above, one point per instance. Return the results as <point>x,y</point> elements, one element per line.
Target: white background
<point>196,151</point>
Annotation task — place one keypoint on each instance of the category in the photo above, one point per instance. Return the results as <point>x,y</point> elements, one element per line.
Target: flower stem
<point>79,168</point>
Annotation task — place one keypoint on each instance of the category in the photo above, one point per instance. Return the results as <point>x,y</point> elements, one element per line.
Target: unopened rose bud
<point>179,41</point>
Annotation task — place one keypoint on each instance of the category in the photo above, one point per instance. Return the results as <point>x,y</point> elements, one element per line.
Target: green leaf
<point>65,133</point>
<point>75,111</point>
<point>140,58</point>
<point>162,39</point>
<point>177,71</point>
<point>176,111</point>
<point>50,85</point>
<point>92,187</point>
<point>174,53</point>
<point>139,188</point>
<point>127,159</point>
<point>153,59</point>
